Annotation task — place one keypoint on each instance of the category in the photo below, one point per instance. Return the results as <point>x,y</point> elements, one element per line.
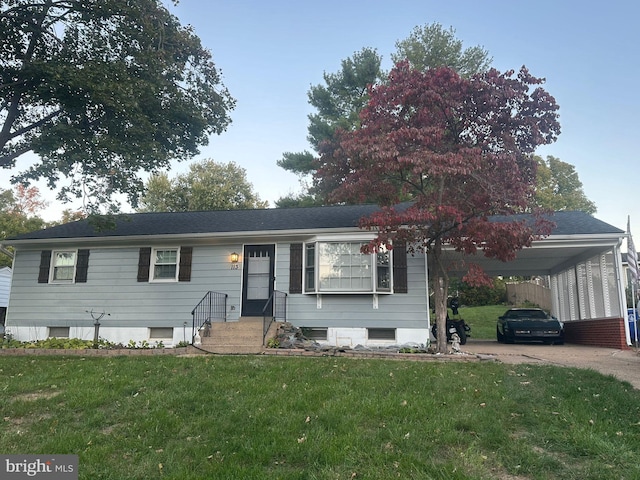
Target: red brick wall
<point>602,332</point>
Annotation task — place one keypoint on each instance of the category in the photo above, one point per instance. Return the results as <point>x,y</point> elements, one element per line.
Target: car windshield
<point>526,314</point>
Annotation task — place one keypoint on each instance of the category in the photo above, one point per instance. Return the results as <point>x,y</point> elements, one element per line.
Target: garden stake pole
<point>96,329</point>
<point>96,324</point>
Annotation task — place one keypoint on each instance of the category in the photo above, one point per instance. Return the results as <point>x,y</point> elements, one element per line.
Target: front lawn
<point>260,417</point>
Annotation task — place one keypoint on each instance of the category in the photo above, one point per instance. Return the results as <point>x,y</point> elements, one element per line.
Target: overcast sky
<point>271,51</point>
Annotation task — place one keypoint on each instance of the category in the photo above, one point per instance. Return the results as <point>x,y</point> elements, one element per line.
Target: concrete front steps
<point>242,337</point>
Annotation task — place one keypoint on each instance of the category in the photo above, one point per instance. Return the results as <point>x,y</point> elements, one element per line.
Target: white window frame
<point>153,334</point>
<point>52,330</point>
<point>316,333</point>
<point>379,334</point>
<point>373,266</point>
<point>153,264</point>
<point>52,266</point>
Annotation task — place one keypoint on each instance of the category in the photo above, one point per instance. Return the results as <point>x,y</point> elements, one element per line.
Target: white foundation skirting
<point>340,337</point>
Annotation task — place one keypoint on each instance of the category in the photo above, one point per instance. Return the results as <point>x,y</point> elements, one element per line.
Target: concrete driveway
<point>622,364</point>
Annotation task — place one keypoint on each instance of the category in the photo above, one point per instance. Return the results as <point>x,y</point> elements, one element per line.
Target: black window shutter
<point>143,264</point>
<point>400,268</point>
<point>82,266</point>
<point>186,253</point>
<point>45,264</point>
<point>295,268</point>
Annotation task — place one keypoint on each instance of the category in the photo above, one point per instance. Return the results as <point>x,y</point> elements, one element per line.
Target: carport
<point>582,260</point>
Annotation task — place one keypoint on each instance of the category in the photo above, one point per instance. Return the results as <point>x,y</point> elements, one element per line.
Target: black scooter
<point>458,325</point>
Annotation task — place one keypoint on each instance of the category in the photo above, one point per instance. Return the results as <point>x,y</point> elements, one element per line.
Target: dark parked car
<point>529,324</point>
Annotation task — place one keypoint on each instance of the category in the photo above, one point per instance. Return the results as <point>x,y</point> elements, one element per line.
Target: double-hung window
<point>341,267</point>
<point>63,266</point>
<point>310,267</point>
<point>383,271</point>
<point>164,266</point>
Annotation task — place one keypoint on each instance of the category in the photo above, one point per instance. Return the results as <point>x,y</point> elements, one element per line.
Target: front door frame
<point>253,307</point>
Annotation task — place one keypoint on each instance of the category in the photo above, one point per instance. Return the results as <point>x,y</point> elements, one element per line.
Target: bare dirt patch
<point>33,396</point>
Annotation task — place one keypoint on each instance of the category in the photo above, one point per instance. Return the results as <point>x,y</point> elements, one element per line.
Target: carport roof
<point>576,237</point>
<point>576,234</point>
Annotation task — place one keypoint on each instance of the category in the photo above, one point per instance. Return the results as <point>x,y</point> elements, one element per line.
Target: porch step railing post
<point>212,307</point>
<point>278,303</point>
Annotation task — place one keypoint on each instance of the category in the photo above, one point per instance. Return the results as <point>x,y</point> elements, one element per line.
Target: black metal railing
<point>212,308</point>
<point>274,310</point>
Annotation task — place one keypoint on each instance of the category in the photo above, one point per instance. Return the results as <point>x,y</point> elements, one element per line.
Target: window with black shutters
<point>165,264</point>
<point>63,266</point>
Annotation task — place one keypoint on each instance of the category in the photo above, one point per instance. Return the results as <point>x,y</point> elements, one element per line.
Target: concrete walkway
<point>622,364</point>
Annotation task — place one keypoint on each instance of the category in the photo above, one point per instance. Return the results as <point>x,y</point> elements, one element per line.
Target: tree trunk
<point>440,287</point>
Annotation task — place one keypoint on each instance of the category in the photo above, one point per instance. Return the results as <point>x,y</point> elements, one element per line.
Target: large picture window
<point>342,267</point>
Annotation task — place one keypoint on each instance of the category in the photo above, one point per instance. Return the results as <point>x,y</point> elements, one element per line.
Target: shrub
<point>479,296</point>
<point>76,344</point>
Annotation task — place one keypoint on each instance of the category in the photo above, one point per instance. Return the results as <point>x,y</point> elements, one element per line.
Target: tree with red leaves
<point>457,151</point>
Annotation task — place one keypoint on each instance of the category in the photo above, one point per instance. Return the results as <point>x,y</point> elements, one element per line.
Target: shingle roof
<point>218,221</point>
<point>278,219</point>
<point>571,223</point>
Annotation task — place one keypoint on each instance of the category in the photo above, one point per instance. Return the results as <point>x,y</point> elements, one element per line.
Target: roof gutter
<point>194,237</point>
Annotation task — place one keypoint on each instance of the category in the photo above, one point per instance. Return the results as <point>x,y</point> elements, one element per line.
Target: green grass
<point>319,418</point>
<point>482,320</point>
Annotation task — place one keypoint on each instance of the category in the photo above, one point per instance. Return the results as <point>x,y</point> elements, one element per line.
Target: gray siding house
<point>149,273</point>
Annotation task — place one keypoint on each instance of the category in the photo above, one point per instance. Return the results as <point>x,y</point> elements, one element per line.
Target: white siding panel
<point>5,286</point>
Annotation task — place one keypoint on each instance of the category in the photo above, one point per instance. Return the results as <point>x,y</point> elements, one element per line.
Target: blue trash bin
<point>632,317</point>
